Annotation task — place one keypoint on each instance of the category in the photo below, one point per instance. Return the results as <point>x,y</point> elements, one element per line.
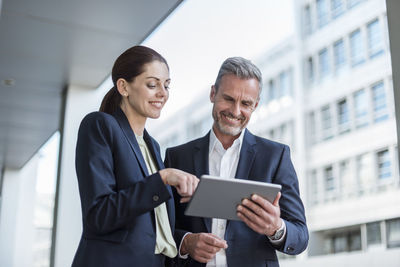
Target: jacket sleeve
<point>105,208</point>
<point>292,209</point>
<point>179,233</point>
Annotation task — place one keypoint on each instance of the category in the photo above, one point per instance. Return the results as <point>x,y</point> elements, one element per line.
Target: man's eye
<point>151,86</point>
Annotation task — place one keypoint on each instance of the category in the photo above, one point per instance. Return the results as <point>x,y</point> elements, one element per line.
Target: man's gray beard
<point>223,129</point>
<point>232,131</point>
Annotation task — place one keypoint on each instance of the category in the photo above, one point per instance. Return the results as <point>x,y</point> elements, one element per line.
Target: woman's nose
<point>162,91</point>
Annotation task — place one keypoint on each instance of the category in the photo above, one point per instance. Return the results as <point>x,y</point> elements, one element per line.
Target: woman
<point>127,206</point>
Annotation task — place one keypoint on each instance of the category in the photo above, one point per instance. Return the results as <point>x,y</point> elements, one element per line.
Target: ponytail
<point>111,101</point>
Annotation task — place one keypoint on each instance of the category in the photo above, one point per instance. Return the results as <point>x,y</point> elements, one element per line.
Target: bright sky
<point>195,40</point>
<point>201,34</point>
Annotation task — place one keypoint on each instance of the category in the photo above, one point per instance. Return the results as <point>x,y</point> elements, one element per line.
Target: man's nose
<point>236,109</point>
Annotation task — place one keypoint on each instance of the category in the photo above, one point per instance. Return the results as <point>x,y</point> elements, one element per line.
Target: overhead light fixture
<point>8,82</point>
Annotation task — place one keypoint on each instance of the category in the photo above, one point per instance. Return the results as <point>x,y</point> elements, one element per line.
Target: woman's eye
<point>151,86</point>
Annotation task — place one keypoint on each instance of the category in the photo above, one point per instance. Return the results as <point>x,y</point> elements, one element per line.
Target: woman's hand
<point>185,183</point>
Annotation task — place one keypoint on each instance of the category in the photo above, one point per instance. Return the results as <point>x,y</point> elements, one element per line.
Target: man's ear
<point>256,105</point>
<point>212,94</point>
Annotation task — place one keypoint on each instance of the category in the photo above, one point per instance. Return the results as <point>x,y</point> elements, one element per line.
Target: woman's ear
<point>122,86</point>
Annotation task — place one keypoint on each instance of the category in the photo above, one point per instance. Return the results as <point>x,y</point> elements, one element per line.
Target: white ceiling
<point>45,45</point>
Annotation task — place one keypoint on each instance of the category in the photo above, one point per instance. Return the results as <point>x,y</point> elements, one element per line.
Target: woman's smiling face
<point>147,94</point>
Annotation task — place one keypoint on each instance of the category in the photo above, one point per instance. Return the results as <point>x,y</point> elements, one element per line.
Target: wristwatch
<point>279,233</point>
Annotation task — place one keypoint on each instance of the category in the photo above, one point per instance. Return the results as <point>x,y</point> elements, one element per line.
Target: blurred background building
<point>328,93</point>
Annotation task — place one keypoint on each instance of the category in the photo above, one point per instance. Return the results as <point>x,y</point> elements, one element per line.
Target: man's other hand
<point>261,215</point>
<point>202,246</point>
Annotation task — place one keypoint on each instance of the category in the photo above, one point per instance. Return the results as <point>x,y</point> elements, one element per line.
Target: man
<point>230,150</point>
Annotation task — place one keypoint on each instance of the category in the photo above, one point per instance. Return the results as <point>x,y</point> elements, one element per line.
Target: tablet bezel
<point>217,197</point>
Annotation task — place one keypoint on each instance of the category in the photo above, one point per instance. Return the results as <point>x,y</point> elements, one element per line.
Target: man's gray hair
<point>241,68</point>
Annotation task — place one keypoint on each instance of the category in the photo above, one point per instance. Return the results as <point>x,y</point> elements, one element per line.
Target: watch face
<point>278,234</point>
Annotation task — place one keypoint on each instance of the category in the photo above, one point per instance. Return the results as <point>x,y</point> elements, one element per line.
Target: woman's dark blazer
<point>118,195</point>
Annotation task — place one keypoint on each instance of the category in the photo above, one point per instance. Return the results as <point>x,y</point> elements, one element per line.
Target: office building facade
<point>328,94</point>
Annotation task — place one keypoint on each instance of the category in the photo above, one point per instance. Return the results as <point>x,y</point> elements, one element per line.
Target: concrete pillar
<point>393,7</point>
<point>17,229</point>
<point>68,223</point>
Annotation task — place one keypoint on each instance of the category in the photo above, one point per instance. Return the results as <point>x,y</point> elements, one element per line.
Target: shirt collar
<point>217,145</point>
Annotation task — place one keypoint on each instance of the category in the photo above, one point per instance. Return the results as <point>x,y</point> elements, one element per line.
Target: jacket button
<point>155,198</point>
<point>290,249</point>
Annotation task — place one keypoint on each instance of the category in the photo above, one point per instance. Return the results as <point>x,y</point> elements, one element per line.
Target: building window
<point>264,94</point>
<point>340,244</point>
<point>272,90</point>
<point>346,179</point>
<point>323,58</point>
<point>272,134</point>
<point>337,7</point>
<point>364,172</point>
<point>284,133</point>
<point>353,3</point>
<point>312,128</point>
<point>373,233</point>
<point>310,69</point>
<point>322,13</point>
<point>356,48</point>
<point>326,123</point>
<point>379,102</point>
<point>313,185</point>
<point>343,116</point>
<point>329,183</point>
<point>339,54</point>
<point>284,83</point>
<point>355,240</point>
<point>346,242</point>
<point>384,164</point>
<point>393,233</point>
<point>375,40</point>
<point>361,108</point>
<point>307,20</point>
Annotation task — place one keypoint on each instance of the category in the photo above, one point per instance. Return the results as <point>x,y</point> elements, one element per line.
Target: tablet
<point>217,197</point>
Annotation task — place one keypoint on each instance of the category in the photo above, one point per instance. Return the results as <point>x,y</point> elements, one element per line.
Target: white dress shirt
<point>222,163</point>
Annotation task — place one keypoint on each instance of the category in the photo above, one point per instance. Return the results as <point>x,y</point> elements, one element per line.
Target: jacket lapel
<point>247,155</point>
<point>155,153</point>
<point>200,163</point>
<point>130,136</point>
<point>200,156</point>
<point>246,158</point>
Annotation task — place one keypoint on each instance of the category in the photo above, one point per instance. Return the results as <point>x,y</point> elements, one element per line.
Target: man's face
<point>234,102</point>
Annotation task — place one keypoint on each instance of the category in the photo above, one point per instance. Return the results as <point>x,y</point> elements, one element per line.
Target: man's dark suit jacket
<point>117,194</point>
<point>260,160</point>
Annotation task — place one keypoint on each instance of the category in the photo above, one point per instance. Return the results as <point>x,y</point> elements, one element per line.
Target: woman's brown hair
<point>127,66</point>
